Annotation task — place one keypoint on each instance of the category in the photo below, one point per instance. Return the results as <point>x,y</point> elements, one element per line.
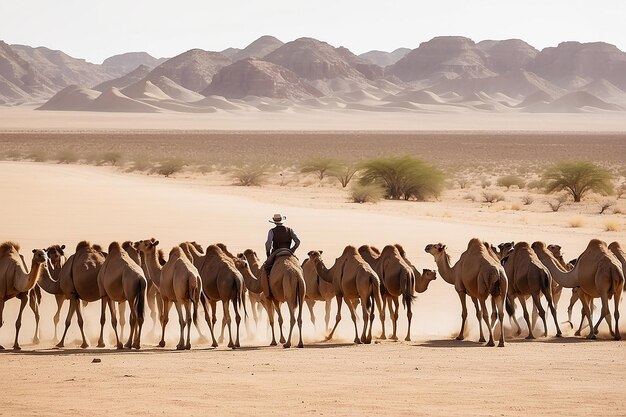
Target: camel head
<point>55,254</point>
<point>556,250</point>
<point>241,263</point>
<point>146,245</point>
<point>436,249</point>
<point>429,275</point>
<point>505,248</point>
<point>39,256</point>
<point>315,255</point>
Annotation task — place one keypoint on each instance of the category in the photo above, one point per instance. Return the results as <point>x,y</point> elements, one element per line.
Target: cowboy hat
<point>278,219</point>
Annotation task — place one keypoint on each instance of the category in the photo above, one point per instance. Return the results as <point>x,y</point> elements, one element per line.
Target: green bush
<point>510,180</point>
<point>250,175</point>
<point>320,166</point>
<point>403,177</point>
<point>366,193</point>
<point>344,173</point>
<point>577,178</point>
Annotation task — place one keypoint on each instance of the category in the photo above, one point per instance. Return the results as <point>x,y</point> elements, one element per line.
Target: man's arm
<point>296,241</point>
<point>268,243</point>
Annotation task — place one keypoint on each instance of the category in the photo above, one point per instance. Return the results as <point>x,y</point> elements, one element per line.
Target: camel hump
<point>214,250</point>
<point>390,250</point>
<point>596,243</point>
<point>521,245</point>
<point>128,246</point>
<point>7,247</point>
<point>350,250</point>
<point>115,248</point>
<point>177,252</point>
<point>249,252</point>
<point>474,242</point>
<point>400,249</point>
<point>615,246</point>
<point>83,244</point>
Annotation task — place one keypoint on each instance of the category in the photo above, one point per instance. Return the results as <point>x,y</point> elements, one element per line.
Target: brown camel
<point>598,274</point>
<point>16,281</point>
<point>121,280</point>
<point>354,279</point>
<point>78,280</point>
<point>397,279</point>
<point>258,301</point>
<point>56,260</point>
<point>557,290</point>
<point>478,275</point>
<point>504,249</point>
<point>221,281</point>
<point>317,290</point>
<point>528,278</point>
<point>287,285</point>
<point>619,253</point>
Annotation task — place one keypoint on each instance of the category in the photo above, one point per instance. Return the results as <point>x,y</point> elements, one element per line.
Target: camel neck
<point>421,283</point>
<point>445,269</point>
<point>251,281</point>
<point>48,283</point>
<point>26,281</point>
<point>564,279</point>
<point>322,271</point>
<point>154,267</point>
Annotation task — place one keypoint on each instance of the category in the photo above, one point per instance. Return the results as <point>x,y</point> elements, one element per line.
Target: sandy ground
<point>25,118</point>
<point>431,376</point>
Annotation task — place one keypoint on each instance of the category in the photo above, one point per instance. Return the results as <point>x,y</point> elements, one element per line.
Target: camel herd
<point>133,274</point>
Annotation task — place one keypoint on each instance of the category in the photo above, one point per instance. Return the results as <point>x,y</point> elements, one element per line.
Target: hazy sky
<point>96,29</point>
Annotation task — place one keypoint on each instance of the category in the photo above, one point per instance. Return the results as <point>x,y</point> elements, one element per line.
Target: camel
<point>557,290</point>
<point>286,284</point>
<point>258,302</point>
<point>317,290</point>
<point>504,249</point>
<point>56,260</point>
<point>528,278</point>
<point>478,275</point>
<point>598,274</point>
<point>121,280</point>
<point>222,281</point>
<point>16,281</point>
<point>619,253</point>
<point>397,279</point>
<point>78,281</point>
<point>354,279</point>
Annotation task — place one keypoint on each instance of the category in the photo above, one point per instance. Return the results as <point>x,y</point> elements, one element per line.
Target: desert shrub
<point>140,164</point>
<point>319,166</point>
<point>515,207</point>
<point>534,185</point>
<point>66,156</point>
<point>606,204</point>
<point>620,191</point>
<point>463,182</point>
<point>618,210</point>
<point>484,183</point>
<point>470,197</point>
<point>612,225</point>
<point>12,155</point>
<point>527,200</point>
<point>576,221</point>
<point>577,178</point>
<point>111,158</point>
<point>492,197</point>
<point>344,173</point>
<point>403,177</point>
<point>169,167</point>
<point>366,193</point>
<point>37,156</point>
<point>249,175</point>
<point>510,180</point>
<point>204,169</point>
<point>555,205</point>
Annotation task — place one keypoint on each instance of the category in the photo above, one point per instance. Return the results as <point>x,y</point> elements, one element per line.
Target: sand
<point>432,375</point>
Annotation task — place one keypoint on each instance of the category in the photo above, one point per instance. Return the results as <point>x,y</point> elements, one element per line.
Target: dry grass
<point>612,225</point>
<point>576,221</point>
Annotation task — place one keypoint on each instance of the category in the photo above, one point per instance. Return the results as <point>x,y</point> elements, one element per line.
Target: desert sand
<point>433,375</point>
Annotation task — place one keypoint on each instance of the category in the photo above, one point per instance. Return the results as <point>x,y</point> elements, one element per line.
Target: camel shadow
<point>91,351</point>
<point>450,343</point>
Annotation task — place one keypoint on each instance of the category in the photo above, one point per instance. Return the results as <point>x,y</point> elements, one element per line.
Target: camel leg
<point>522,301</point>
<point>208,320</point>
<point>383,334</point>
<point>226,309</point>
<point>338,318</point>
<point>463,316</point>
<point>165,318</point>
<point>327,306</point>
<point>221,338</point>
<point>535,315</point>
<point>270,316</point>
<point>311,303</point>
<point>512,317</point>
<point>34,306</point>
<point>542,313</point>
<point>280,321</point>
<point>300,302</point>
<point>181,323</point>
<point>292,322</point>
<point>1,319</point>
<point>81,323</point>
<point>112,311</point>
<point>479,317</point>
<point>605,314</point>
<point>552,306</point>
<point>138,327</point>
<point>586,300</point>
<point>409,316</point>
<point>353,317</point>
<point>483,307</point>
<point>237,323</point>
<point>494,313</point>
<point>570,308</point>
<point>617,296</point>
<point>121,308</point>
<point>372,316</point>
<point>18,323</point>
<point>133,324</point>
<point>365,311</point>
<point>393,315</point>
<point>60,299</point>
<point>255,315</point>
<point>68,321</point>
<point>500,305</point>
<point>151,301</point>
<point>189,320</point>
<point>103,305</point>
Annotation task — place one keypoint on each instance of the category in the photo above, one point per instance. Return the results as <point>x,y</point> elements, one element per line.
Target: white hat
<point>278,219</point>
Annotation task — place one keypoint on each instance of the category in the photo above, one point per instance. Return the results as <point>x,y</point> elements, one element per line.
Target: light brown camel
<point>478,275</point>
<point>78,280</point>
<point>222,281</point>
<point>598,274</point>
<point>504,249</point>
<point>16,281</point>
<point>557,290</point>
<point>397,279</point>
<point>422,280</point>
<point>121,280</point>
<point>619,253</point>
<point>317,290</point>
<point>354,279</point>
<point>287,285</point>
<point>258,302</point>
<point>56,260</point>
<point>528,278</point>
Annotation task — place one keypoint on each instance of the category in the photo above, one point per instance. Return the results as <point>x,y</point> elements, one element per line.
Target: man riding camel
<point>278,243</point>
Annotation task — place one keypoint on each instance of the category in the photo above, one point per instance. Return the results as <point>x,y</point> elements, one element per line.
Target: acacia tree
<point>577,178</point>
<point>320,166</point>
<point>344,173</point>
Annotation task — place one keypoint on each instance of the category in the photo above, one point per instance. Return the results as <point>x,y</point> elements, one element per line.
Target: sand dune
<point>113,100</point>
<point>145,89</point>
<point>71,98</point>
<point>579,101</point>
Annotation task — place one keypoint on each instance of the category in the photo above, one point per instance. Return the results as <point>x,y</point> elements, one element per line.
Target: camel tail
<point>376,293</point>
<point>618,281</point>
<point>141,299</point>
<point>194,293</point>
<point>495,288</point>
<point>409,285</point>
<point>510,307</point>
<point>240,298</point>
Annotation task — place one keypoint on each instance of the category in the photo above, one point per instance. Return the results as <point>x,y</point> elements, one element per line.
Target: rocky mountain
<point>230,52</point>
<point>508,55</point>
<point>253,77</point>
<point>127,62</point>
<point>258,49</point>
<point>382,58</point>
<point>125,80</point>
<point>19,79</point>
<point>193,69</point>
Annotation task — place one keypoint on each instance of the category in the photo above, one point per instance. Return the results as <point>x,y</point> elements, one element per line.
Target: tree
<point>344,173</point>
<point>320,166</point>
<point>577,178</point>
<point>403,177</point>
<point>510,180</point>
